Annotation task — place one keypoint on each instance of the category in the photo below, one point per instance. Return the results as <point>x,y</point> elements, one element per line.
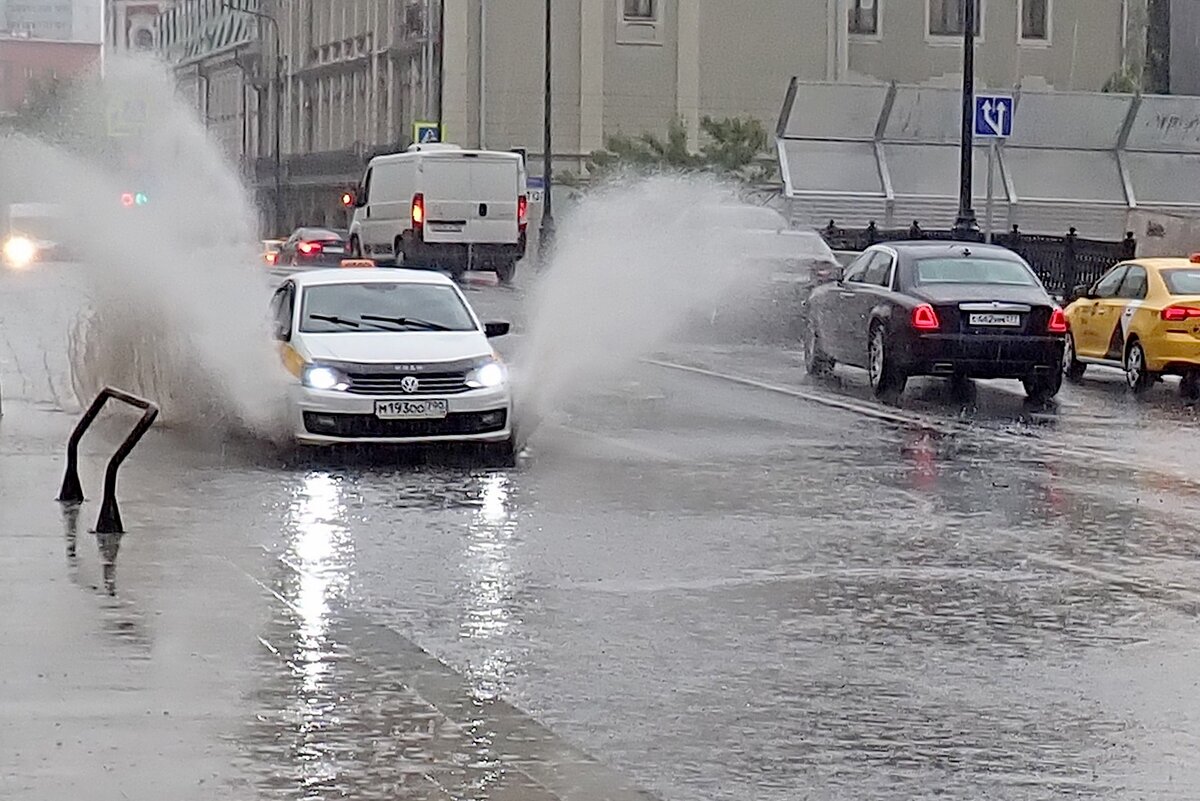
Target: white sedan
<point>391,356</point>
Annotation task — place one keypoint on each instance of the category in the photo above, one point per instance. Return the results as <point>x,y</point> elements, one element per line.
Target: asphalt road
<point>710,578</point>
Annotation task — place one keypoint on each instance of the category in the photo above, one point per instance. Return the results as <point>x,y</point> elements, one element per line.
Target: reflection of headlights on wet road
<point>317,377</point>
<point>488,375</point>
<point>19,252</point>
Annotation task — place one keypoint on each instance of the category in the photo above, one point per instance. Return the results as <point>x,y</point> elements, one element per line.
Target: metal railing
<point>1061,262</point>
<point>109,521</point>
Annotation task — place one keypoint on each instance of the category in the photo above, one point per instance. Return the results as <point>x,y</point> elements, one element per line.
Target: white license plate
<point>335,250</point>
<point>995,319</point>
<point>447,228</point>
<point>410,409</point>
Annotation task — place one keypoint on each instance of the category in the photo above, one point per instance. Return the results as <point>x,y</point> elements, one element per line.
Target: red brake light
<point>1058,322</point>
<point>924,318</point>
<point>1194,258</point>
<point>522,211</point>
<point>1175,314</point>
<point>272,257</point>
<point>309,248</point>
<point>418,211</point>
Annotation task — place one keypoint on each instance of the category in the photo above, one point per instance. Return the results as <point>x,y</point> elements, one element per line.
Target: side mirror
<point>1082,291</point>
<point>360,199</point>
<point>492,330</point>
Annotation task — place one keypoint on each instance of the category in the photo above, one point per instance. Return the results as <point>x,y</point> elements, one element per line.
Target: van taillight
<point>418,214</point>
<point>522,211</point>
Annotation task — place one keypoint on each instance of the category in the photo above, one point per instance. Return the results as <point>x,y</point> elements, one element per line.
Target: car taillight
<point>1175,314</point>
<point>522,211</point>
<point>418,214</point>
<point>924,318</point>
<point>309,248</point>
<point>272,257</point>
<point>1058,322</point>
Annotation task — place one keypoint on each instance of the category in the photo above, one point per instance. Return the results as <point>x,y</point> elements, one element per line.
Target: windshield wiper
<point>408,321</point>
<point>329,318</point>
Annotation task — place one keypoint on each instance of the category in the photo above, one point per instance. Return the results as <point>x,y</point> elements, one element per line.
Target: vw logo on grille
<point>409,384</point>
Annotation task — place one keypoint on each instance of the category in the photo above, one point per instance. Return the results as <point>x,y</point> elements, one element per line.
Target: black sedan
<point>955,309</point>
<point>313,247</point>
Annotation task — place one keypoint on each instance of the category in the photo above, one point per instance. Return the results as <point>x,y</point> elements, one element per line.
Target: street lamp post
<point>277,88</point>
<point>966,226</point>
<point>546,233</point>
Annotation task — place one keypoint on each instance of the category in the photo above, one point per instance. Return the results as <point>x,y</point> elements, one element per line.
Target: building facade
<point>38,19</point>
<point>130,25</point>
<point>358,73</point>
<point>25,62</point>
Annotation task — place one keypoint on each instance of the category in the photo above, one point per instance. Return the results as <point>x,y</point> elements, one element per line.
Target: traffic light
<point>131,199</point>
<point>347,199</point>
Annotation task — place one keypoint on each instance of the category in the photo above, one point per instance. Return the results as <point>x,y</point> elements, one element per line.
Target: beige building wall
<point>734,57</point>
<point>1083,49</point>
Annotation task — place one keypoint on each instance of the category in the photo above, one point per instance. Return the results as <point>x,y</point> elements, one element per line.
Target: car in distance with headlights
<point>956,309</point>
<point>391,357</point>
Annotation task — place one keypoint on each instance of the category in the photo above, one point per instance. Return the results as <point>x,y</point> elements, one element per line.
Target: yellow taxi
<point>1142,316</point>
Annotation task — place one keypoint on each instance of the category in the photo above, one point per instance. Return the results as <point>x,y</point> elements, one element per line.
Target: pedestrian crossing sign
<point>427,133</point>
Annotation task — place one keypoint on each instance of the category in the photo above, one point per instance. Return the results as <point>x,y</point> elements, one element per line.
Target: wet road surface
<point>701,587</point>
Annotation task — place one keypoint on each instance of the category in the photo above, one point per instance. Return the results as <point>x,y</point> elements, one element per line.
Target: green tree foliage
<point>733,147</point>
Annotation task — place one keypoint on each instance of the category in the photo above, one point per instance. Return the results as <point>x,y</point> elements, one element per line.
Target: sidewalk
<point>194,666</point>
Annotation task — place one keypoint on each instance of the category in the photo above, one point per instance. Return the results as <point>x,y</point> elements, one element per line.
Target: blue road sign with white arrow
<point>427,133</point>
<point>993,116</point>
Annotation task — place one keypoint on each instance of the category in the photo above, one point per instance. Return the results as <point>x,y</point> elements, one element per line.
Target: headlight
<point>318,377</point>
<point>488,375</point>
<point>19,251</point>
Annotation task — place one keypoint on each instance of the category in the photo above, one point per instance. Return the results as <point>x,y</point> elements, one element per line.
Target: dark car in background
<point>960,309</point>
<point>313,247</point>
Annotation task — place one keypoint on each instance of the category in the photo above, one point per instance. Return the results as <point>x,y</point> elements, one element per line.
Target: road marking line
<point>835,403</point>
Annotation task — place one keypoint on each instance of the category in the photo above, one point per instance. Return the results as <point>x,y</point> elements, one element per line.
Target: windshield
<point>366,307</point>
<point>974,271</point>
<point>1182,282</point>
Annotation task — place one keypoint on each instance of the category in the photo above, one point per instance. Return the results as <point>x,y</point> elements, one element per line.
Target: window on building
<point>946,17</point>
<point>864,16</point>
<point>641,10</point>
<point>1035,19</point>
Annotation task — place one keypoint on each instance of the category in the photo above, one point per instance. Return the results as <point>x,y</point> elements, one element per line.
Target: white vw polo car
<point>391,356</point>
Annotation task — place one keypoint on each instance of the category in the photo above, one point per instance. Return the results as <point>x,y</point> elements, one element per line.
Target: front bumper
<point>982,356</point>
<point>322,417</point>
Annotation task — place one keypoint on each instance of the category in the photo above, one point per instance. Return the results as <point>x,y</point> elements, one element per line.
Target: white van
<point>443,207</point>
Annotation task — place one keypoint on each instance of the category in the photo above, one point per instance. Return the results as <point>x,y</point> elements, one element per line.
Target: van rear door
<point>471,198</point>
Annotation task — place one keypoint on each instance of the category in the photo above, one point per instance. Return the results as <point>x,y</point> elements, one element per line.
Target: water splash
<point>177,299</point>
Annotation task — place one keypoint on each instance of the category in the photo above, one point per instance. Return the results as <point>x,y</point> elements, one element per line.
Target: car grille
<point>368,425</point>
<point>427,384</point>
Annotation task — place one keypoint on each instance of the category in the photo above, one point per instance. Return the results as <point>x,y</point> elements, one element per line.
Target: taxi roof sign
<point>351,263</point>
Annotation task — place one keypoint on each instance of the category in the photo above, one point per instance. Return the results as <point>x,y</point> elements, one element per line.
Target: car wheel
<point>1138,377</point>
<point>1073,369</point>
<point>887,381</point>
<point>1189,387</point>
<point>816,361</point>
<point>505,271</point>
<point>1043,387</point>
